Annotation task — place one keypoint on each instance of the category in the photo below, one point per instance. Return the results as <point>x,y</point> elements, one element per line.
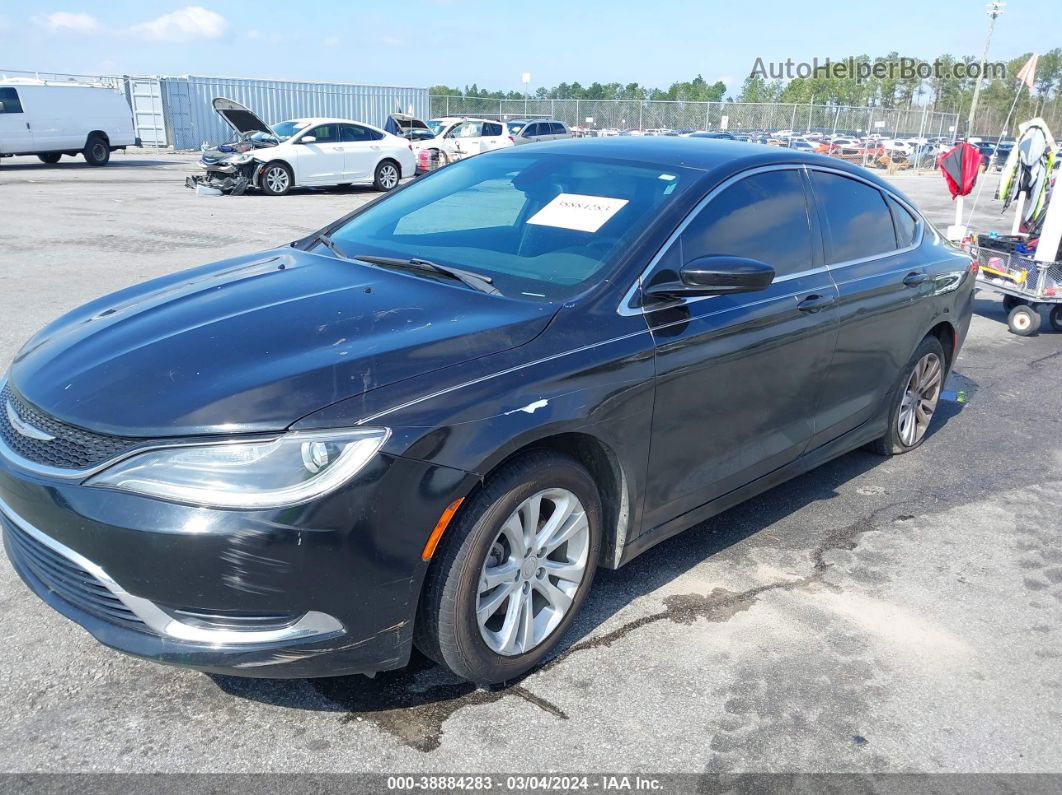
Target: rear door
<point>361,150</point>
<point>494,136</point>
<point>738,376</point>
<point>322,162</point>
<point>881,283</point>
<point>16,133</point>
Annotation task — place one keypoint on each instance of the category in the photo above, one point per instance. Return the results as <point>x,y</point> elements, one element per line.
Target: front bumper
<point>324,589</point>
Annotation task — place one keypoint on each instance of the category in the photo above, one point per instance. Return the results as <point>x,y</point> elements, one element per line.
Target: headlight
<point>293,469</point>
<point>239,160</point>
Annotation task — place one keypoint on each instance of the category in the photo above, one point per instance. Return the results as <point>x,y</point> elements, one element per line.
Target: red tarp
<point>960,167</point>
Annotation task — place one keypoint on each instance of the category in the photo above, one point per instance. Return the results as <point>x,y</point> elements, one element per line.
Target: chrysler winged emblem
<point>24,428</point>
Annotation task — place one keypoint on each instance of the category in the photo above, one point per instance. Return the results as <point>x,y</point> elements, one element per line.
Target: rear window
<point>10,100</point>
<point>544,226</point>
<point>859,220</point>
<point>906,226</point>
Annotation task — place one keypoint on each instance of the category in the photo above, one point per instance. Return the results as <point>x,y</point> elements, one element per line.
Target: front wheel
<point>914,400</point>
<point>276,179</point>
<point>513,570</point>
<point>386,176</point>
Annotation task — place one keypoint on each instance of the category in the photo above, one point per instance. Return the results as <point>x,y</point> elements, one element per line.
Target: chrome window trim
<point>312,623</point>
<point>625,307</point>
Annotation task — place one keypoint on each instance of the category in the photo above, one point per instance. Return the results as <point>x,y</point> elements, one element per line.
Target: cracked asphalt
<point>873,615</point>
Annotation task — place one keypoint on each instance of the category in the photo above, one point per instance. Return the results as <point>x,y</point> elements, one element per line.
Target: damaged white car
<point>311,152</point>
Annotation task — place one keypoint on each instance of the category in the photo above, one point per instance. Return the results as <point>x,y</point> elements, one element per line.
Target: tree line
<point>943,91</point>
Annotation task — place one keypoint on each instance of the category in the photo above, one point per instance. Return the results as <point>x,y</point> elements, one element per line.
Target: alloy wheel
<point>920,399</point>
<point>388,176</point>
<point>277,179</point>
<point>532,572</point>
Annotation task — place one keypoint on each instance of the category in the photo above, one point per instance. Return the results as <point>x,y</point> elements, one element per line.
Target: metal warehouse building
<point>176,111</point>
<point>189,120</point>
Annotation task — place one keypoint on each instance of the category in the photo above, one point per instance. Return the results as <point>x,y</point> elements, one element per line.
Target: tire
<point>448,630</point>
<point>1011,301</point>
<point>1055,317</point>
<point>904,409</point>
<point>96,151</point>
<point>1023,320</point>
<point>276,179</point>
<point>51,158</point>
<point>387,175</point>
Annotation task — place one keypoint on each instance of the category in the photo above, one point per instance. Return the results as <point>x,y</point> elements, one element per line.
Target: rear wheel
<point>513,570</point>
<point>276,179</point>
<point>51,157</point>
<point>1023,320</point>
<point>96,151</point>
<point>914,400</point>
<point>1055,318</point>
<point>387,176</point>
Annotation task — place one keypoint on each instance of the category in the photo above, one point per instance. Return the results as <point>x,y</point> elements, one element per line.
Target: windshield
<point>515,127</point>
<point>436,125</point>
<point>286,129</point>
<point>542,226</point>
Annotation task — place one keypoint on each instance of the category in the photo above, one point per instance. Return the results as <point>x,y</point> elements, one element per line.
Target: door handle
<point>913,279</point>
<point>815,302</point>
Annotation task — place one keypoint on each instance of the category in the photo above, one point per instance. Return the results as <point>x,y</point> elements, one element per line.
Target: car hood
<point>240,118</point>
<point>256,343</point>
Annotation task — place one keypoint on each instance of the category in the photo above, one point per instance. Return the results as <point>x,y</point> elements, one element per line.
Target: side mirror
<point>716,275</point>
<point>308,139</point>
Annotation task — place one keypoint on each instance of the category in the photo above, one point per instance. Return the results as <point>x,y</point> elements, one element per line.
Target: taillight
<point>975,267</point>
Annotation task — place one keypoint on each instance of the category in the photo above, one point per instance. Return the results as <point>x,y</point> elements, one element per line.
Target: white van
<point>55,119</point>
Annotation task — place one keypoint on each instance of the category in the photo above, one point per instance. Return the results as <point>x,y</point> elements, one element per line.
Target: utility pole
<point>526,80</point>
<point>993,9</point>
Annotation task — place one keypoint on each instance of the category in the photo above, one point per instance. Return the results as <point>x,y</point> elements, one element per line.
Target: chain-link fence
<point>621,114</point>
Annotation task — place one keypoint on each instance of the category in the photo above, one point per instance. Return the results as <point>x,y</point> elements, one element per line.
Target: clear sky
<point>492,42</point>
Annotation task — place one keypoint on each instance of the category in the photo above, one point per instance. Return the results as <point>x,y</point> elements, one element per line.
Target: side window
<point>531,130</point>
<point>556,128</point>
<point>906,226</point>
<point>357,133</point>
<point>859,219</point>
<point>326,133</point>
<point>470,129</point>
<point>490,128</point>
<point>764,217</point>
<point>10,101</point>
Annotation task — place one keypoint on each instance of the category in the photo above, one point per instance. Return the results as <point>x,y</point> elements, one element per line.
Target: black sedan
<point>431,421</point>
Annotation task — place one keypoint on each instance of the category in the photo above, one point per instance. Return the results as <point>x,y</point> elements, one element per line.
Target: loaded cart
<point>1008,267</point>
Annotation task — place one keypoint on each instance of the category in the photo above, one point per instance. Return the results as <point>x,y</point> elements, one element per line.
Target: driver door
<point>738,377</point>
<point>322,161</point>
<point>464,140</point>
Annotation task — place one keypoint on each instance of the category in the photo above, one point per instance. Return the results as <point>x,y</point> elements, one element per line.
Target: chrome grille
<point>66,579</point>
<point>72,448</point>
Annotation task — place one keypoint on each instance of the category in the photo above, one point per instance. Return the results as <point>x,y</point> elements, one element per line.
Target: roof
<point>705,154</point>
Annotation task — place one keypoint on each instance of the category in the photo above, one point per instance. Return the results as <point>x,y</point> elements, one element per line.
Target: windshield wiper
<point>476,281</point>
<point>330,244</point>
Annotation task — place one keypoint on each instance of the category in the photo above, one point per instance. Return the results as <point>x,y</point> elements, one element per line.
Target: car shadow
<point>68,164</point>
<point>412,702</point>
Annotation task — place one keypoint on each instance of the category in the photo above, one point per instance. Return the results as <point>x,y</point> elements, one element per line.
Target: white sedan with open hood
<point>301,153</point>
